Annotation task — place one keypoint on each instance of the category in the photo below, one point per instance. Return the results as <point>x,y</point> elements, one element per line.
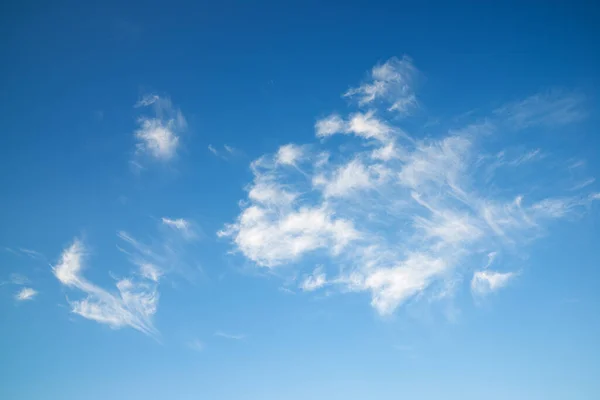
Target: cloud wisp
<point>25,294</point>
<point>231,336</point>
<point>547,109</point>
<point>158,135</point>
<point>225,154</point>
<point>485,282</point>
<point>133,303</point>
<point>396,215</point>
<point>184,227</point>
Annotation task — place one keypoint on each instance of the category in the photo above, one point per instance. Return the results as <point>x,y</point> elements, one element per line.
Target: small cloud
<point>485,282</point>
<point>213,150</point>
<point>577,164</point>
<point>392,82</point>
<point>491,257</point>
<point>583,184</point>
<point>315,281</point>
<point>286,290</point>
<point>289,154</point>
<point>159,135</point>
<point>365,125</point>
<point>183,226</point>
<point>150,271</point>
<point>196,345</point>
<point>227,150</point>
<point>230,335</point>
<point>26,294</point>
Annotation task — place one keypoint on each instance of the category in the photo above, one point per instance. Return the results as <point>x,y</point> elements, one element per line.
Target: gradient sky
<point>299,200</point>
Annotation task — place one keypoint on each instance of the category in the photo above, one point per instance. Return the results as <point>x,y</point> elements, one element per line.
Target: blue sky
<point>346,200</point>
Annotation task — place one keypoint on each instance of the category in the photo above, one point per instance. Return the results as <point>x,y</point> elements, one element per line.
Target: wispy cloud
<point>36,255</point>
<point>486,282</point>
<point>16,279</point>
<point>317,280</point>
<point>392,83</point>
<point>133,304</point>
<point>225,153</point>
<point>196,345</point>
<point>33,254</point>
<point>395,215</point>
<point>232,336</point>
<point>158,135</point>
<point>26,294</point>
<point>212,149</point>
<point>185,227</point>
<point>547,109</point>
<point>285,290</point>
<point>583,184</point>
<point>167,252</point>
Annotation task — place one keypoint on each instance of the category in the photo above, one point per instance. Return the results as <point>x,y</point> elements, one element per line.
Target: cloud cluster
<point>393,214</point>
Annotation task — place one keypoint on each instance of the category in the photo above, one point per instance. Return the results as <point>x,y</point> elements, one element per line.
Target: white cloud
<point>527,157</point>
<point>26,294</point>
<point>491,257</point>
<point>365,125</point>
<point>213,150</point>
<point>231,336</point>
<point>289,154</point>
<point>133,304</point>
<point>317,280</point>
<point>270,238</point>
<point>547,109</point>
<point>392,82</point>
<point>392,286</point>
<point>348,179</point>
<point>150,271</point>
<point>396,216</point>
<point>386,153</point>
<point>159,135</point>
<point>185,227</point>
<point>330,126</point>
<point>485,282</point>
<point>583,184</point>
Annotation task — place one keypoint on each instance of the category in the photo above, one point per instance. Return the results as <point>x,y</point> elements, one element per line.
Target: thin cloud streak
<point>231,336</point>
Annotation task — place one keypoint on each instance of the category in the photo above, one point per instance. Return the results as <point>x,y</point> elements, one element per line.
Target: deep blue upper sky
<point>291,200</point>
